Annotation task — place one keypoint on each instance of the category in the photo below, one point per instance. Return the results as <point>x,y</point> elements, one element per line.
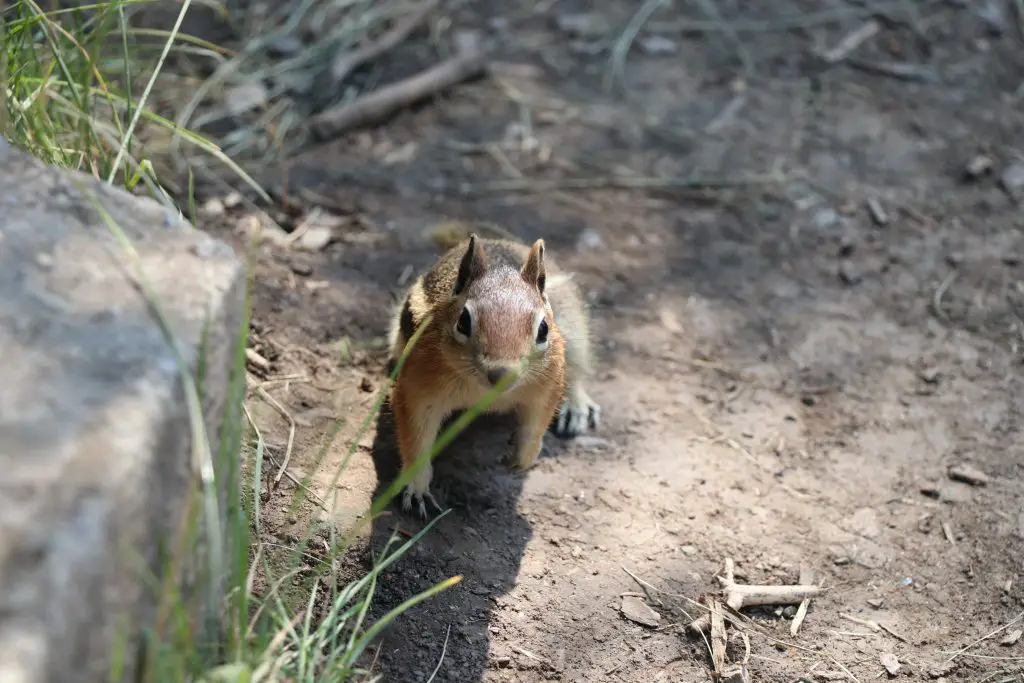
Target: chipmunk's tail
<point>447,234</point>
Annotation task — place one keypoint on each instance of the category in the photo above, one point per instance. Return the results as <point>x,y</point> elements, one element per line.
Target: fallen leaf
<point>638,611</point>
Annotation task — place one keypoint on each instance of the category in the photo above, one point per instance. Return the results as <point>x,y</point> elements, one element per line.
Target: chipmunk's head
<point>499,320</point>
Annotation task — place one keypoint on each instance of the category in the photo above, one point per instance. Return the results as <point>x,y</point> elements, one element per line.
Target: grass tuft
<point>68,82</point>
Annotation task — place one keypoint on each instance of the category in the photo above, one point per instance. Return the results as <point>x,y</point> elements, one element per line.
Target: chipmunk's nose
<point>494,375</point>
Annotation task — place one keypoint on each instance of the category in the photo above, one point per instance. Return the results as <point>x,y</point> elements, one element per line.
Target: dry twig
<point>291,432</point>
<point>941,292</point>
<point>874,626</point>
<point>372,107</point>
<point>722,672</point>
<point>622,182</point>
<point>738,596</point>
<point>904,71</point>
<point>806,578</point>
<point>851,41</point>
<point>317,499</point>
<point>617,61</point>
<point>444,650</point>
<point>345,63</point>
<point>985,637</point>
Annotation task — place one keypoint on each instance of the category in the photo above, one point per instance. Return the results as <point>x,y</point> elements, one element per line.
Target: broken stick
<point>851,42</point>
<point>718,642</point>
<point>374,106</point>
<point>722,672</point>
<point>737,596</point>
<point>346,62</point>
<point>806,579</point>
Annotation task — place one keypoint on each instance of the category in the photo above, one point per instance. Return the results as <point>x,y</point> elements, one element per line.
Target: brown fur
<point>503,282</point>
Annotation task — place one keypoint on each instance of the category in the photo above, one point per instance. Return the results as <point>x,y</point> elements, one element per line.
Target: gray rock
<point>825,218</point>
<point>95,438</point>
<point>968,474</point>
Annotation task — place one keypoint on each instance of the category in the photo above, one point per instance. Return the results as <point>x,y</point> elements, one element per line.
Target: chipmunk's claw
<point>576,414</point>
<point>420,499</point>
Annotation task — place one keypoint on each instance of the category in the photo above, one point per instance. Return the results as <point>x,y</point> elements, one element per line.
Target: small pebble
<point>889,661</point>
<point>1012,637</point>
<point>978,166</point>
<point>848,274</point>
<point>825,218</point>
<point>589,239</point>
<point>1012,178</point>
<point>878,213</point>
<point>316,238</point>
<point>213,207</point>
<point>303,269</point>
<point>968,474</point>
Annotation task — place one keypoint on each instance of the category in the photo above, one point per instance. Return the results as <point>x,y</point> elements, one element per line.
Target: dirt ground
<point>788,367</point>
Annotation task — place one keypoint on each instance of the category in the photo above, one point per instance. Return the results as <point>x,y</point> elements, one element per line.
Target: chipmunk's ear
<point>533,269</point>
<point>472,265</point>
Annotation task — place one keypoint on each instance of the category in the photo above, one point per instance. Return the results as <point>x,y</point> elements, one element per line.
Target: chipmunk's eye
<point>542,332</point>
<point>464,326</point>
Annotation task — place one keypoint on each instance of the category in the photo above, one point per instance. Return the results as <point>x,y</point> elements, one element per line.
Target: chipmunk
<point>496,307</point>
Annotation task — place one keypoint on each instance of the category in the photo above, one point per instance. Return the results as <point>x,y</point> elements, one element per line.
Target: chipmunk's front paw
<point>523,455</point>
<point>418,491</point>
<point>577,413</point>
<point>515,462</point>
<point>420,498</point>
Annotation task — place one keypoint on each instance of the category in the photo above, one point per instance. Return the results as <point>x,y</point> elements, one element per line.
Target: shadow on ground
<point>482,538</point>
